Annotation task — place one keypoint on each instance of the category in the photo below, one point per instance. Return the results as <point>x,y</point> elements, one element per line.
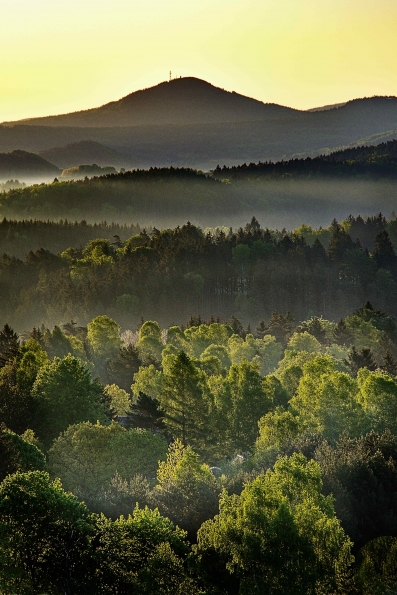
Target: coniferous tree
<point>341,334</point>
<point>389,364</point>
<point>146,413</point>
<point>383,251</point>
<point>9,344</point>
<point>237,327</point>
<point>281,327</point>
<point>183,402</point>
<point>361,359</point>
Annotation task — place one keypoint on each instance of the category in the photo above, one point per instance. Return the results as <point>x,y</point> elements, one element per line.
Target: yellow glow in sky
<point>61,56</point>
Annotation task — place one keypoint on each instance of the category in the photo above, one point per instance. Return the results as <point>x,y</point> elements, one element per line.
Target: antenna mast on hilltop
<point>170,75</point>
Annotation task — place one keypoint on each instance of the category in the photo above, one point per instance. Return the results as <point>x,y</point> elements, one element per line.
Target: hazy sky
<point>58,56</point>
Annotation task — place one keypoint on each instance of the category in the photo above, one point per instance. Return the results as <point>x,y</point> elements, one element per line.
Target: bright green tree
<point>186,491</point>
<point>281,531</point>
<point>326,400</point>
<point>378,396</point>
<point>144,554</point>
<point>243,400</point>
<point>120,402</point>
<point>65,394</point>
<point>103,335</point>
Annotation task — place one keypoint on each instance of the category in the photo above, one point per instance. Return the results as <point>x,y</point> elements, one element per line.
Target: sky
<point>62,56</point>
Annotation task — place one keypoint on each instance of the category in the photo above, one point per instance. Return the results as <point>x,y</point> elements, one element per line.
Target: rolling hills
<point>361,180</point>
<point>190,123</point>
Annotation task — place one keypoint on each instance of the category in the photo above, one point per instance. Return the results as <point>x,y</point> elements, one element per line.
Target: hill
<point>180,101</point>
<point>315,190</point>
<point>263,132</point>
<point>374,162</point>
<point>85,151</point>
<point>22,165</point>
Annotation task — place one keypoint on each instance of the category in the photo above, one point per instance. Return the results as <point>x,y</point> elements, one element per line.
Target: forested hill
<point>374,161</point>
<point>22,164</point>
<point>281,194</point>
<point>185,100</point>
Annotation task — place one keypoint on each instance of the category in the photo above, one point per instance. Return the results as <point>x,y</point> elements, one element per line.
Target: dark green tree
<point>341,334</point>
<point>185,402</point>
<point>18,455</point>
<point>360,359</point>
<point>44,537</point>
<point>384,252</point>
<point>9,345</point>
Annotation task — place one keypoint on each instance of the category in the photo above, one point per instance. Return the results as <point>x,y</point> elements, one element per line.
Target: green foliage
<point>44,536</point>
<point>185,401</point>
<point>378,396</point>
<point>87,456</point>
<point>327,400</point>
<point>104,337</point>
<point>243,400</point>
<point>143,554</point>
<point>17,455</point>
<point>361,474</point>
<point>280,531</point>
<point>120,403</point>
<point>186,491</point>
<point>377,567</point>
<point>304,342</point>
<point>65,394</point>
<point>149,381</point>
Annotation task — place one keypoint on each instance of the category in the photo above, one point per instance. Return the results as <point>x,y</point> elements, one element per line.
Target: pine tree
<point>389,364</point>
<point>360,359</point>
<point>9,344</point>
<point>384,252</point>
<point>183,402</point>
<point>281,327</point>
<point>237,327</point>
<point>342,335</point>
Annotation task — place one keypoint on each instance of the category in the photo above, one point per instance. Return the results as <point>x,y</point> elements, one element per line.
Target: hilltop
<point>21,164</point>
<point>185,100</point>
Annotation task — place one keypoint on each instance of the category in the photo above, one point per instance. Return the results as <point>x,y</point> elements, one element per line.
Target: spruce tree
<point>184,404</point>
<point>9,344</point>
<point>341,334</point>
<point>383,251</point>
<point>389,364</point>
<point>360,359</point>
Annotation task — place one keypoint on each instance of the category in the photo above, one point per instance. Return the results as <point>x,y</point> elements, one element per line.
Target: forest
<point>168,275</point>
<point>283,193</point>
<point>189,410</point>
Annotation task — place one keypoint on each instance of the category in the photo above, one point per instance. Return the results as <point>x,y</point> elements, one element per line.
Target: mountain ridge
<point>179,101</point>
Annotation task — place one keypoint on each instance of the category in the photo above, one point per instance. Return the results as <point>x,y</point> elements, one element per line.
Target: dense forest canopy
<point>204,458</point>
<point>170,274</point>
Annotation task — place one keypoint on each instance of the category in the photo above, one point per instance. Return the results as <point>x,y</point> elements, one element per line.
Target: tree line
<point>168,275</point>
